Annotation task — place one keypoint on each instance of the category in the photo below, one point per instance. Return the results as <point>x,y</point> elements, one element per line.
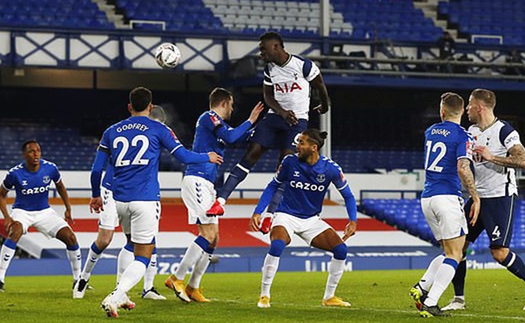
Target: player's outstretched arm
<point>515,158</point>
<point>318,84</point>
<point>61,189</point>
<point>467,180</point>
<point>270,100</point>
<point>232,135</point>
<point>3,207</point>
<point>189,157</point>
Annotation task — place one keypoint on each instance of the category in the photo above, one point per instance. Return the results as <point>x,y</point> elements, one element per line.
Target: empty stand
<point>501,18</point>
<point>406,214</point>
<point>77,14</point>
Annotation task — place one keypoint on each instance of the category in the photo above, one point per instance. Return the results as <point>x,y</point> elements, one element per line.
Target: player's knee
<point>499,254</point>
<point>69,238</point>
<point>103,242</point>
<point>276,247</point>
<point>340,251</point>
<point>15,231</point>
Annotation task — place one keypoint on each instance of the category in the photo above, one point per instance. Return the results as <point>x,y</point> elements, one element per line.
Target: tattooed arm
<point>516,158</point>
<point>467,179</point>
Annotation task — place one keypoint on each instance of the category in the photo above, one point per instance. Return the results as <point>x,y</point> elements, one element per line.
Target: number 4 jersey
<point>445,144</point>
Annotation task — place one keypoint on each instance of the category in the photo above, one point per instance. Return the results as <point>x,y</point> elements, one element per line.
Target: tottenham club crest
<point>46,179</point>
<point>321,178</point>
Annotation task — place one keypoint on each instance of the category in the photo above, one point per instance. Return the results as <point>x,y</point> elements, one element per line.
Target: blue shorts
<point>274,132</point>
<point>496,216</point>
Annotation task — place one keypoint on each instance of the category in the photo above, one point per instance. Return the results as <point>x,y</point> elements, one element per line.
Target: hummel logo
<point>6,257</point>
<point>296,174</point>
<point>24,182</point>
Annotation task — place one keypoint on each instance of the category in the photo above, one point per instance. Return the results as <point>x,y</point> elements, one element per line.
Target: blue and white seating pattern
<point>406,214</point>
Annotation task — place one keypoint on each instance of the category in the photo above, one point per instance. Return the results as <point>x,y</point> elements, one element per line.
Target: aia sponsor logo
<point>287,88</point>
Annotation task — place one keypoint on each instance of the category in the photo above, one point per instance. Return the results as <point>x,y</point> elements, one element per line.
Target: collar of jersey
<point>490,125</point>
<point>287,61</point>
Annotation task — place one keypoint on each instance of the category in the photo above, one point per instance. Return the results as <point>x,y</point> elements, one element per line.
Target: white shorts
<point>108,219</point>
<point>140,219</point>
<point>307,229</point>
<point>445,216</point>
<point>46,221</point>
<point>198,195</point>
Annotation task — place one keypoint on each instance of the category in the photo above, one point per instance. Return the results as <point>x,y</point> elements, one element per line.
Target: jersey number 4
<point>144,144</point>
<point>442,151</point>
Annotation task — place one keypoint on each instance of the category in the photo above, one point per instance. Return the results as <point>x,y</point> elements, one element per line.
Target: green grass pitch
<point>376,296</point>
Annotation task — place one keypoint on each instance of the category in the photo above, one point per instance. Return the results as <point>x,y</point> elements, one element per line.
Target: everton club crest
<point>321,178</point>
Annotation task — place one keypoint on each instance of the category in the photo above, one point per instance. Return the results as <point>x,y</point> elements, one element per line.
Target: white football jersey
<point>291,84</point>
<point>493,180</point>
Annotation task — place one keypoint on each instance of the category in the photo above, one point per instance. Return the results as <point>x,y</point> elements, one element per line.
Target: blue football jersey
<point>134,146</point>
<point>445,143</point>
<point>306,185</point>
<point>213,134</point>
<point>32,188</point>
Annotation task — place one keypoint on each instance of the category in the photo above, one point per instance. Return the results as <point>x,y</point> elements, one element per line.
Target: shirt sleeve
<point>342,186</point>
<point>267,78</point>
<point>270,189</point>
<point>310,70</point>
<point>96,171</point>
<point>509,137</point>
<point>9,181</point>
<point>168,139</point>
<point>55,174</point>
<point>464,149</point>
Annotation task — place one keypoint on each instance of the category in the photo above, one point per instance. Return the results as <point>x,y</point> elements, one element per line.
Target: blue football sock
<point>237,175</point>
<point>515,265</point>
<point>459,278</point>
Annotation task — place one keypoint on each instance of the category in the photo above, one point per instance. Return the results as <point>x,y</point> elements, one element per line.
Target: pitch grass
<point>376,296</point>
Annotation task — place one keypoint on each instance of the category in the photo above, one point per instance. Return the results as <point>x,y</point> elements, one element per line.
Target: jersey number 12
<point>442,151</point>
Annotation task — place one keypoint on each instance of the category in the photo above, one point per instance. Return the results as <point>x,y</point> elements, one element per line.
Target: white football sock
<point>6,255</point>
<point>131,276</point>
<point>336,268</point>
<point>271,264</point>
<point>199,270</point>
<point>151,271</point>
<point>125,258</point>
<point>428,277</point>
<point>443,277</point>
<point>221,200</point>
<point>75,257</point>
<point>91,261</point>
<point>191,256</point>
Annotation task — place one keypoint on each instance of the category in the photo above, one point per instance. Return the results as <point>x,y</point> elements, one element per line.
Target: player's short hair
<point>218,95</point>
<point>31,141</point>
<point>272,35</point>
<point>140,98</point>
<point>158,113</point>
<point>316,136</point>
<point>453,103</point>
<point>486,96</point>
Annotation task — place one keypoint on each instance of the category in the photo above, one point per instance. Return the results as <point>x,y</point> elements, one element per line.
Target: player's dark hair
<point>218,95</point>
<point>140,98</point>
<point>272,35</point>
<point>31,141</point>
<point>316,136</point>
<point>158,113</point>
<point>453,103</point>
<point>486,96</point>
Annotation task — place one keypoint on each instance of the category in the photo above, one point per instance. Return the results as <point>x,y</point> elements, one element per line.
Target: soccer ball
<point>167,55</point>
